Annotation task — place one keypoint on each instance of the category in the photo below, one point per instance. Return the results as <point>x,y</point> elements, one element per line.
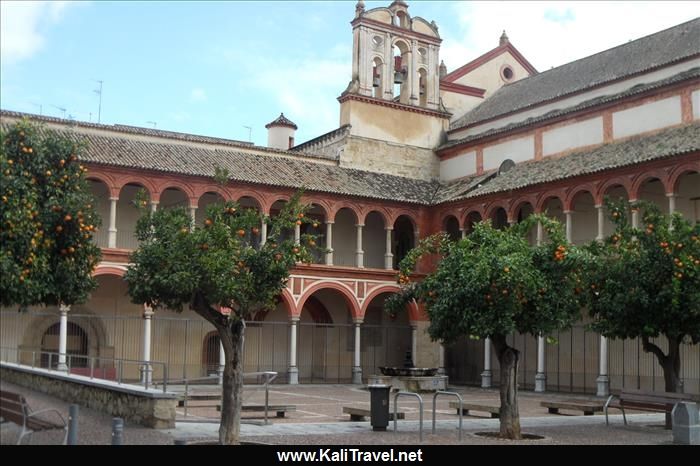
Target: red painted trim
<point>462,89</point>
<point>686,106</point>
<point>480,161</point>
<point>546,124</point>
<point>348,294</point>
<point>538,144</point>
<point>395,29</point>
<point>387,103</point>
<point>488,56</point>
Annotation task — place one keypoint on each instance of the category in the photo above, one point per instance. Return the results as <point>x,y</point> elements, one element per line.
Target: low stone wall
<point>151,408</point>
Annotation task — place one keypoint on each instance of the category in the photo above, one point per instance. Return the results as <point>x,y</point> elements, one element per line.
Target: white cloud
<point>550,34</point>
<point>304,87</point>
<point>22,26</point>
<point>198,95</point>
<point>179,116</point>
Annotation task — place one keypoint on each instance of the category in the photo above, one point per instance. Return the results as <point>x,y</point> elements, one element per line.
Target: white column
<point>357,367</point>
<point>671,202</point>
<point>297,234</point>
<point>441,359</point>
<point>263,233</point>
<point>193,214</point>
<point>329,242</point>
<point>464,232</point>
<point>112,238</point>
<point>62,336</point>
<point>540,233</point>
<point>388,256</point>
<point>293,370</point>
<point>569,226</point>
<point>414,343</point>
<point>635,215</point>
<point>603,380</point>
<point>359,253</point>
<point>222,362</point>
<point>154,206</point>
<point>601,222</point>
<point>540,376</point>
<point>146,369</point>
<point>486,376</point>
<point>413,72</point>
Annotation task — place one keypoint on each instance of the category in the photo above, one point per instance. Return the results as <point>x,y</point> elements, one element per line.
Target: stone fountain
<point>409,378</point>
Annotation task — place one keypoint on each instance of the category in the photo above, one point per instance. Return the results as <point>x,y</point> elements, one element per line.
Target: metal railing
<point>459,397</point>
<point>420,404</point>
<point>108,368</point>
<point>268,376</point>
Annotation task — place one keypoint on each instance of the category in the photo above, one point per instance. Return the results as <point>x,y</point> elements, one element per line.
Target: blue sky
<point>215,68</point>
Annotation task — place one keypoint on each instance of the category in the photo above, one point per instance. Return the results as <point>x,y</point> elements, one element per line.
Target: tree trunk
<point>670,363</point>
<point>232,338</point>
<point>232,333</point>
<point>509,415</point>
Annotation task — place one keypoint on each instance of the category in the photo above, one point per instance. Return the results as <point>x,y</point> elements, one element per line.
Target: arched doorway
<point>210,353</point>
<point>384,339</point>
<point>76,346</point>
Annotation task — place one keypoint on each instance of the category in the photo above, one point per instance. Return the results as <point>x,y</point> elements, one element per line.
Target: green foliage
<point>220,260</point>
<point>47,219</point>
<point>494,283</point>
<point>647,281</point>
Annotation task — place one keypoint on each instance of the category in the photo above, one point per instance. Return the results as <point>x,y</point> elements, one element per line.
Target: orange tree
<point>494,283</point>
<point>647,283</point>
<point>47,219</point>
<point>216,267</point>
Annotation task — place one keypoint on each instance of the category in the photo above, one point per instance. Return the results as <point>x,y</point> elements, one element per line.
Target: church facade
<point>417,150</point>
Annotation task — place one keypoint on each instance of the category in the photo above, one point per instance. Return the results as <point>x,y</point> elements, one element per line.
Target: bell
<point>376,82</point>
<point>398,77</point>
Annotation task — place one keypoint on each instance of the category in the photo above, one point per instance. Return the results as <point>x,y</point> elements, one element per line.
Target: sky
<point>226,69</point>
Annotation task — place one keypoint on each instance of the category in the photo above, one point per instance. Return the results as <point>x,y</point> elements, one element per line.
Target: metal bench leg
<point>624,418</point>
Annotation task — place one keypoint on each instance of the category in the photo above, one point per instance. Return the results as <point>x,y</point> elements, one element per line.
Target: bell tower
<point>395,57</point>
<point>392,105</point>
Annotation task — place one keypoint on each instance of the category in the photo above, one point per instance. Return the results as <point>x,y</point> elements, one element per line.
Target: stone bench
<point>279,410</point>
<point>359,414</point>
<point>588,407</point>
<point>494,411</point>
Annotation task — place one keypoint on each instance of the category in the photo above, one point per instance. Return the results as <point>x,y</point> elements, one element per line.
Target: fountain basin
<point>410,379</point>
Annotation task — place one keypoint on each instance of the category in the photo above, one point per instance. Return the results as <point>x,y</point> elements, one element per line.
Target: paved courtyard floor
<point>319,420</point>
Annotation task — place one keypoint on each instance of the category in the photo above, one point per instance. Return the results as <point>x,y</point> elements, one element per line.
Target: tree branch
<point>650,347</point>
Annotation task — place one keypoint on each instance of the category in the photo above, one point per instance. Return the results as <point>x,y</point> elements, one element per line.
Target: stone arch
<point>145,183</point>
<point>681,170</point>
<point>92,325</point>
<point>382,213</point>
<point>238,195</point>
<point>345,291</point>
<point>611,183</point>
<point>545,197</point>
<point>211,188</point>
<point>187,190</point>
<point>345,205</point>
<point>117,270</point>
<point>576,191</point>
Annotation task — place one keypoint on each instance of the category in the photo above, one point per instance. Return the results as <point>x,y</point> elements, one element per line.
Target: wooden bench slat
<point>14,408</point>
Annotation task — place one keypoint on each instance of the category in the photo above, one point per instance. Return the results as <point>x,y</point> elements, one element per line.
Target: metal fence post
<point>117,430</point>
<point>73,425</point>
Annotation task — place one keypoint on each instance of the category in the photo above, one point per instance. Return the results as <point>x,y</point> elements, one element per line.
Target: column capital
<point>63,308</point>
<point>599,206</point>
<point>389,228</point>
<point>294,319</point>
<point>329,222</point>
<point>358,321</point>
<point>148,311</point>
<point>359,225</point>
<point>670,194</point>
<point>113,198</point>
<point>568,212</point>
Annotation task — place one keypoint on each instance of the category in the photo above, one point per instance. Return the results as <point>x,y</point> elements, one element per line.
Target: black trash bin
<point>379,405</point>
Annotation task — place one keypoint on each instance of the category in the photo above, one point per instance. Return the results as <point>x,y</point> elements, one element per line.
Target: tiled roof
<point>645,54</point>
<point>119,150</point>
<point>687,75</point>
<point>198,160</point>
<point>281,121</point>
<point>667,143</point>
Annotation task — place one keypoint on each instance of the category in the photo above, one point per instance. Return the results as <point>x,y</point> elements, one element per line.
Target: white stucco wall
<point>635,120</point>
<point>457,167</point>
<point>278,137</point>
<point>695,99</point>
<point>518,150</point>
<point>579,134</point>
<point>578,98</point>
